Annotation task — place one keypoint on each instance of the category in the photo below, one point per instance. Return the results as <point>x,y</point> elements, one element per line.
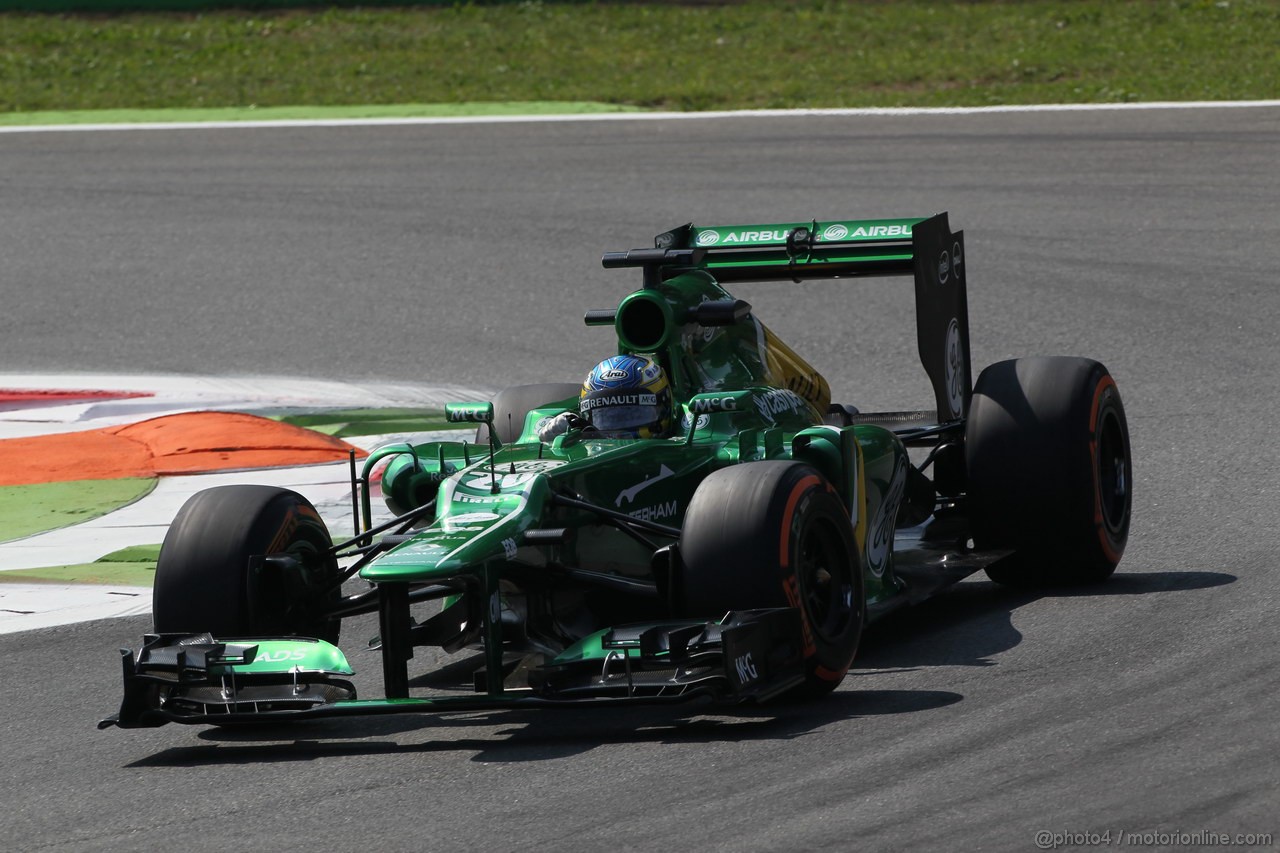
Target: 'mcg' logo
<point>469,413</point>
<point>704,405</point>
<point>746,668</point>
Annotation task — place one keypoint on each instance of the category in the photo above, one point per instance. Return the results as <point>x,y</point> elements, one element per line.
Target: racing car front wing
<point>749,656</point>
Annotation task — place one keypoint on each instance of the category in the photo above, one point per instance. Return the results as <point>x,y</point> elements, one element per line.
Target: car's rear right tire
<point>1049,470</point>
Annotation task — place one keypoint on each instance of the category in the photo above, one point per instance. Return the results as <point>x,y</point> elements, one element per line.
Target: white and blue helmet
<point>627,396</point>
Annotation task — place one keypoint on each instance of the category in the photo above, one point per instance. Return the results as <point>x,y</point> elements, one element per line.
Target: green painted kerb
<point>345,423</point>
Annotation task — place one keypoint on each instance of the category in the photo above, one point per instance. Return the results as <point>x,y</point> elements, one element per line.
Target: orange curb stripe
<point>189,443</point>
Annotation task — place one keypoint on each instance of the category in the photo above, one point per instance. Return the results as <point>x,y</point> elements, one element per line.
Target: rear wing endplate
<point>926,249</point>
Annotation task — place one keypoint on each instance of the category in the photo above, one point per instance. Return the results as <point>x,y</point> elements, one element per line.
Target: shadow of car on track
<point>963,627</point>
<point>973,621</point>
<point>537,735</point>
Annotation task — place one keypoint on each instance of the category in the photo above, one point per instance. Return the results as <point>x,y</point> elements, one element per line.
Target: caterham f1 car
<point>735,558</point>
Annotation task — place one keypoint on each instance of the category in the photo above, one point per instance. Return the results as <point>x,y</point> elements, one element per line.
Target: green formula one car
<point>734,553</point>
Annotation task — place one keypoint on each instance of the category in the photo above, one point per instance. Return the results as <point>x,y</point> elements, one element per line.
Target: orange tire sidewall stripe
<point>831,674</point>
<point>791,582</point>
<point>784,556</point>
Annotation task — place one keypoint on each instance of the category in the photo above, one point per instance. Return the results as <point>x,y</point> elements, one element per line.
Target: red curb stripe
<point>14,399</point>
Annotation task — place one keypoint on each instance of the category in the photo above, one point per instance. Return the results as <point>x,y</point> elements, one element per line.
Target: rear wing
<point>926,249</point>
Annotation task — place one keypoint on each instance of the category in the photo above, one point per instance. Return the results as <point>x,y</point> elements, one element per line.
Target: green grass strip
<point>27,510</point>
<point>802,53</point>
<point>134,566</point>
<point>118,6</point>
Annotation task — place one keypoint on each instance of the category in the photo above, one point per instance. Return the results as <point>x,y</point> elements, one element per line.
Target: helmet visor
<point>627,418</point>
<point>623,412</point>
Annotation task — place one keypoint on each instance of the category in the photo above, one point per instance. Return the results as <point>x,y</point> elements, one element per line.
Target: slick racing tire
<point>203,577</point>
<point>775,534</point>
<point>1050,475</point>
<point>512,404</point>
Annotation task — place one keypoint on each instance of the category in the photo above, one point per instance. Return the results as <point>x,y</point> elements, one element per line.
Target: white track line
<point>26,607</point>
<point>640,116</point>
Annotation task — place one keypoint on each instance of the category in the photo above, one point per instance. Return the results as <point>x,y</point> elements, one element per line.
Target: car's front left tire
<point>204,581</point>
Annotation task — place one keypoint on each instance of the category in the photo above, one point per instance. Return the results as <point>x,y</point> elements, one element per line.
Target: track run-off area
<point>416,256</point>
<point>90,479</point>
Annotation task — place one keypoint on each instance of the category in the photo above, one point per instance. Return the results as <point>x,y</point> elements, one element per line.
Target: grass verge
<point>670,56</point>
<point>31,509</point>
<point>134,566</point>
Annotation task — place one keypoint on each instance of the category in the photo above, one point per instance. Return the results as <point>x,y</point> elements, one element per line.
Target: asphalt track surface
<point>466,254</point>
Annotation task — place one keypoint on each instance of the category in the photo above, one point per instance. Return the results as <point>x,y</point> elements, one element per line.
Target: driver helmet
<point>627,396</point>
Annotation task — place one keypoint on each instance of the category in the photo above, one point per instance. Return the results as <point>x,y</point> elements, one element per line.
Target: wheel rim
<point>1113,472</point>
<point>310,552</point>
<point>277,601</point>
<point>826,579</point>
